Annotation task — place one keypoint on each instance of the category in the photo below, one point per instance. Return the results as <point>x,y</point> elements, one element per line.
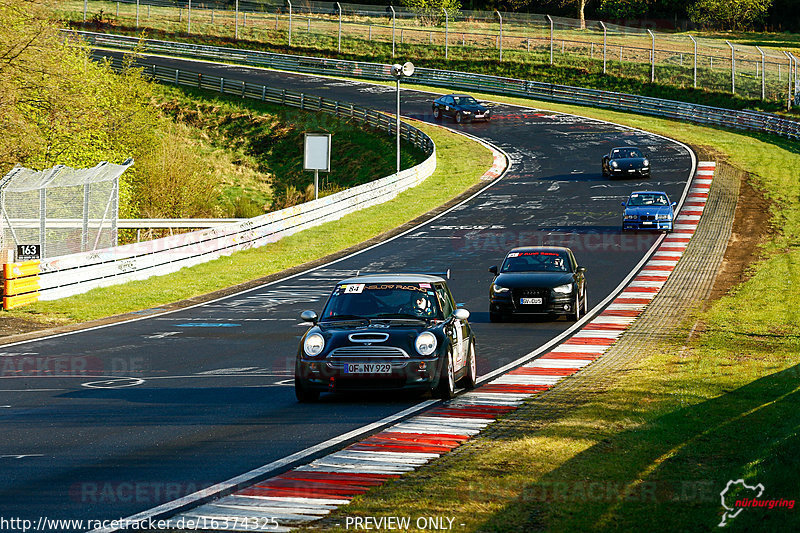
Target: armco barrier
<point>77,273</point>
<point>21,283</point>
<point>701,114</point>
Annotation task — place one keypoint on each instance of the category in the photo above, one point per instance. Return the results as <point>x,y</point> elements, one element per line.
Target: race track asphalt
<point>104,423</point>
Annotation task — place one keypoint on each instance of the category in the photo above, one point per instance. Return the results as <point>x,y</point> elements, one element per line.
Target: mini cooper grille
<point>369,351</point>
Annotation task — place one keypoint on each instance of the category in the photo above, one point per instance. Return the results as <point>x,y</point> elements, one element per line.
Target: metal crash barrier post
<point>20,284</point>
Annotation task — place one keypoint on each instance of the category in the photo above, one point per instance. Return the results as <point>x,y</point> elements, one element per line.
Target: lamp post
<point>400,71</point>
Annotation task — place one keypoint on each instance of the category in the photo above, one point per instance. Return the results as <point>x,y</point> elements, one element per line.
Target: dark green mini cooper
<point>384,332</point>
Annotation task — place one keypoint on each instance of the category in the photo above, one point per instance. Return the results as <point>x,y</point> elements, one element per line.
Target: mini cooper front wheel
<point>470,378</point>
<point>303,393</point>
<point>447,380</point>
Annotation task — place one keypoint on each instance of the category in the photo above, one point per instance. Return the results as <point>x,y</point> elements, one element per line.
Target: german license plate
<point>530,301</point>
<point>647,223</point>
<point>367,368</point>
<point>632,170</point>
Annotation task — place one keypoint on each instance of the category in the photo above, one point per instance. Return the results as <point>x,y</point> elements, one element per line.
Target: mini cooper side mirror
<point>493,269</point>
<point>308,316</point>
<point>461,314</point>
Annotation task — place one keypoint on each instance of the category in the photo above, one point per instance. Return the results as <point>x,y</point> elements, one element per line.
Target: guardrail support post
<point>236,21</point>
<point>339,7</point>
<point>290,22</point>
<point>446,28</point>
<point>394,16</point>
<point>604,46</point>
<point>789,79</point>
<point>501,33</point>
<point>733,68</point>
<point>694,69</point>
<point>551,38</point>
<point>652,57</point>
<point>763,74</point>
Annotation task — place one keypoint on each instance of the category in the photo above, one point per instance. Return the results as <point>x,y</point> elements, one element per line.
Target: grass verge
<point>653,450</point>
<point>253,138</point>
<point>461,163</point>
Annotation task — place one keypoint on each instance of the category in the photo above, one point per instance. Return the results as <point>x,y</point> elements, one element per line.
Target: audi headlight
<point>563,289</point>
<point>646,163</point>
<point>313,344</point>
<point>426,343</point>
<point>614,164</point>
<point>498,289</point>
<point>631,217</point>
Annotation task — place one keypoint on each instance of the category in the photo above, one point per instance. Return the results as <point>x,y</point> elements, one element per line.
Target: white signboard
<point>317,152</point>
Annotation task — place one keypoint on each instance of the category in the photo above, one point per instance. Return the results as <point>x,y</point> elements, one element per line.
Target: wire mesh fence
<point>678,59</point>
<point>62,209</point>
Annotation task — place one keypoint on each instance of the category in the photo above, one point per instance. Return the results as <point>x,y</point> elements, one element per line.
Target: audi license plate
<point>367,368</point>
<point>530,301</point>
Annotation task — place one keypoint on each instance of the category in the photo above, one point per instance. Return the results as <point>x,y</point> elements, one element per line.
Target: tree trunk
<point>581,7</point>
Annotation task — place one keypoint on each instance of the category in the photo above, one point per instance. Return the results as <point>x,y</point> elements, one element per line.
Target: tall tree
<point>729,14</point>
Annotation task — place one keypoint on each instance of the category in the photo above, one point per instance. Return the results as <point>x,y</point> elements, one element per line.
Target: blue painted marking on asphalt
<point>207,325</point>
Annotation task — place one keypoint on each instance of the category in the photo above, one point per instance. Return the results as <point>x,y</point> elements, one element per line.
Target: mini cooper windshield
<point>382,300</point>
<point>536,262</point>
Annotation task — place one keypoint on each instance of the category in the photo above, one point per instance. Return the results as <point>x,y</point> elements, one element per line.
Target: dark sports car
<point>625,161</point>
<point>649,210</point>
<point>386,332</point>
<point>538,280</point>
<point>461,107</point>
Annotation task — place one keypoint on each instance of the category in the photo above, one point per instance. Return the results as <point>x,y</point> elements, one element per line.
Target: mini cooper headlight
<point>498,289</point>
<point>631,217</point>
<point>313,344</point>
<point>646,163</point>
<point>425,343</point>
<point>563,289</point>
<point>663,217</point>
<point>614,164</point>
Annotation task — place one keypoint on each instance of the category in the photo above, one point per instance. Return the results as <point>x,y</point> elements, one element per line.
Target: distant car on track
<point>625,162</point>
<point>648,210</point>
<point>461,107</point>
<point>538,280</point>
<point>387,332</point>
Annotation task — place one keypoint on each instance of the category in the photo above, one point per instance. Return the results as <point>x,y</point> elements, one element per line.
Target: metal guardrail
<point>77,273</point>
<point>701,114</point>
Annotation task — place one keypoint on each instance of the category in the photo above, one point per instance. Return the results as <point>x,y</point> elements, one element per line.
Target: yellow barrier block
<point>10,302</point>
<point>13,287</point>
<point>20,270</point>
